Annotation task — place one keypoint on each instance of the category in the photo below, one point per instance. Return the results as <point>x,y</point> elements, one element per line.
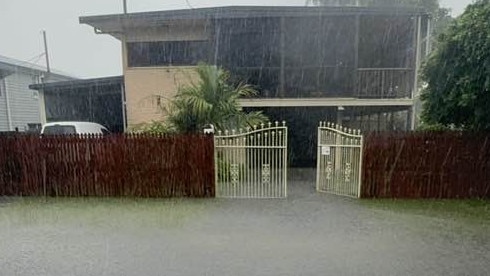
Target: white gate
<point>339,160</point>
<point>252,163</point>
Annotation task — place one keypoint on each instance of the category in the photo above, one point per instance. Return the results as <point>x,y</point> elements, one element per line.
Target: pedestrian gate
<point>339,160</point>
<point>252,163</point>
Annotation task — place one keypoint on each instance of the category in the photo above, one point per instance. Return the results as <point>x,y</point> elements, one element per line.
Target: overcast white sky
<point>76,49</point>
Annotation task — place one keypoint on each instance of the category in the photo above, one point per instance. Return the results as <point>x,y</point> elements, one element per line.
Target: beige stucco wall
<point>148,91</point>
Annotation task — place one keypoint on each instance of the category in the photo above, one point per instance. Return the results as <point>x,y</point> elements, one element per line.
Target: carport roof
<point>115,80</point>
<point>117,23</point>
<point>10,65</point>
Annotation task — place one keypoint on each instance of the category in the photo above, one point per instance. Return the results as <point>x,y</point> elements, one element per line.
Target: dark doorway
<point>302,125</point>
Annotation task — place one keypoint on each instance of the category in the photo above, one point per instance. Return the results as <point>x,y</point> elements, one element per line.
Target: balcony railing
<point>299,82</point>
<point>384,83</point>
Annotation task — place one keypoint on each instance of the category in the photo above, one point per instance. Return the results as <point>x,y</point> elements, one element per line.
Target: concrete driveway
<point>306,234</point>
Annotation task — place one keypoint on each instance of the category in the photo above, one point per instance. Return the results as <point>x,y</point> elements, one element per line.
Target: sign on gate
<point>339,160</point>
<point>252,163</point>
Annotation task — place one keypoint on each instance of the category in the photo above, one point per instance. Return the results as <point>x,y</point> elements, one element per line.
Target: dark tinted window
<point>249,42</point>
<point>144,54</point>
<point>386,42</point>
<point>59,130</point>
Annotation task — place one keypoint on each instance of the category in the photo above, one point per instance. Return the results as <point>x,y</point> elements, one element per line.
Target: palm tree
<point>212,100</point>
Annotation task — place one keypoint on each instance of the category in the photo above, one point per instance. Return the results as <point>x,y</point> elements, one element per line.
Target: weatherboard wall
<point>24,103</point>
<point>4,125</point>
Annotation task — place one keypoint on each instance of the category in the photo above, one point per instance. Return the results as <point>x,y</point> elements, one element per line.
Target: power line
<point>38,59</point>
<point>35,57</point>
<point>189,4</point>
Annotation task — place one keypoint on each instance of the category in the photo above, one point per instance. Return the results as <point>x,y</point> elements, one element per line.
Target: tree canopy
<point>458,73</point>
<point>429,5</point>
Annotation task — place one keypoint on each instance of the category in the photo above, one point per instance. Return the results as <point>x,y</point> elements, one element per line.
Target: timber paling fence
<point>118,165</point>
<point>426,165</point>
<point>395,165</point>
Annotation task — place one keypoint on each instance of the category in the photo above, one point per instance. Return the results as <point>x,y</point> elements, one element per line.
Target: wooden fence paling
<point>119,165</point>
<point>428,165</point>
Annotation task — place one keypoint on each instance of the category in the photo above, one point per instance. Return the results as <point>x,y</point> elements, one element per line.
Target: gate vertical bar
<point>318,156</point>
<point>256,163</point>
<point>273,160</point>
<point>285,158</point>
<point>360,167</point>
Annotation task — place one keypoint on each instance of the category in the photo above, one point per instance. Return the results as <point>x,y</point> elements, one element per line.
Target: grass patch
<point>469,210</point>
<point>103,212</point>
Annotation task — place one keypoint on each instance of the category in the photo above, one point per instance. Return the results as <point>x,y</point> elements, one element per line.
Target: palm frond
<point>212,100</point>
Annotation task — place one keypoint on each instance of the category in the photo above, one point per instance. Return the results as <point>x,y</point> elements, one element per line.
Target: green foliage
<point>224,169</point>
<point>433,127</point>
<point>468,212</point>
<point>441,19</point>
<point>429,5</point>
<point>212,100</point>
<point>458,73</point>
<point>154,127</point>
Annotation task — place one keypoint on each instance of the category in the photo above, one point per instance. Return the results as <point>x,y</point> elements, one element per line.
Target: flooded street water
<point>307,234</point>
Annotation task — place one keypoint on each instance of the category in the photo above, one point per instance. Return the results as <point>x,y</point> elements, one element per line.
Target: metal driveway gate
<point>252,163</point>
<point>339,160</point>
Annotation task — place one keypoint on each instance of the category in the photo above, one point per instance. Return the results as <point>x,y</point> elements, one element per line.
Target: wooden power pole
<point>46,51</point>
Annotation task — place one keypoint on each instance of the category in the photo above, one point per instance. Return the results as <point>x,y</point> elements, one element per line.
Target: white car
<point>66,128</point>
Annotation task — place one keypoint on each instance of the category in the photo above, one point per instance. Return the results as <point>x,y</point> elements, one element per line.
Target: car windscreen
<point>59,130</point>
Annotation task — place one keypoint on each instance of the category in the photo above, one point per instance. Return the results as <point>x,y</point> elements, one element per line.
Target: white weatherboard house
<point>22,109</point>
